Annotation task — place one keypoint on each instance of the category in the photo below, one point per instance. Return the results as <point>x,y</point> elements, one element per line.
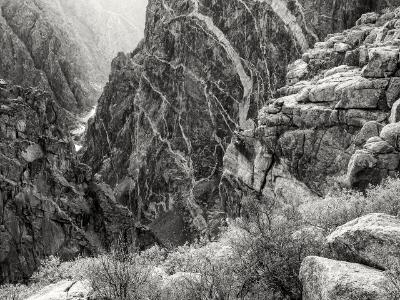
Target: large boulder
<point>325,279</point>
<point>372,240</point>
<point>378,159</point>
<point>391,134</point>
<point>382,62</point>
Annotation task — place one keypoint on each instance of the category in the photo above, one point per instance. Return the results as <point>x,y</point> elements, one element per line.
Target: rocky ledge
<point>365,249</point>
<point>329,126</point>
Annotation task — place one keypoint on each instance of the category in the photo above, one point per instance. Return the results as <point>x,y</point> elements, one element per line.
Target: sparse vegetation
<point>51,271</point>
<point>122,275</point>
<point>256,257</point>
<point>393,288</point>
<point>342,207</point>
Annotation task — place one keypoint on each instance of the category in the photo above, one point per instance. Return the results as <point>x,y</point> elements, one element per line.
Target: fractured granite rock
<point>49,204</point>
<point>325,279</point>
<point>378,159</point>
<point>64,47</point>
<point>372,240</point>
<point>172,106</point>
<point>318,127</point>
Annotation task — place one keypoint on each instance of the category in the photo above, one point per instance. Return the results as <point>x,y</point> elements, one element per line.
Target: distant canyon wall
<point>64,47</point>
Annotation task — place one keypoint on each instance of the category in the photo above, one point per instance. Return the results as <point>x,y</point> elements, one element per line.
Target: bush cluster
<point>256,257</point>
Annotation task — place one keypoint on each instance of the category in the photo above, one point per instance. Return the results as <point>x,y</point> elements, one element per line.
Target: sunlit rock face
<point>64,47</point>
<point>171,107</point>
<point>49,204</point>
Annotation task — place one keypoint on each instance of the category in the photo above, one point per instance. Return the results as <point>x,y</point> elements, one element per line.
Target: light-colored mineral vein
<point>280,9</point>
<point>247,81</point>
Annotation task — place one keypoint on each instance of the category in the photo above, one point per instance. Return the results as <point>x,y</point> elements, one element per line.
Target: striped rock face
<point>169,112</point>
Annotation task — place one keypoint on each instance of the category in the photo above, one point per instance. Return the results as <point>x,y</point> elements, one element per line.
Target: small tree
<point>273,244</point>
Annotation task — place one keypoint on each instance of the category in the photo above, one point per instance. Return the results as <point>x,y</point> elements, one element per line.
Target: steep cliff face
<point>64,47</point>
<point>339,97</point>
<point>49,204</point>
<point>169,112</point>
<point>326,17</point>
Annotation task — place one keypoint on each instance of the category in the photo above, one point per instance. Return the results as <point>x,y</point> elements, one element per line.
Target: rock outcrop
<point>373,240</point>
<point>367,251</point>
<point>167,116</point>
<point>325,279</point>
<point>378,158</point>
<point>49,204</point>
<point>326,128</point>
<point>64,47</point>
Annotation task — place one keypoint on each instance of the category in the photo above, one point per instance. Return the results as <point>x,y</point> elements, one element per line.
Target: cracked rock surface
<point>171,107</point>
<point>64,47</point>
<point>49,204</point>
<point>326,279</point>
<point>372,240</point>
<point>329,125</point>
<point>366,249</point>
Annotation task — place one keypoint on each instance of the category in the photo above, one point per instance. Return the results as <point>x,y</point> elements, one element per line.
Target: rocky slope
<point>192,122</point>
<point>364,248</point>
<point>64,47</point>
<point>49,204</point>
<point>203,72</point>
<point>327,127</point>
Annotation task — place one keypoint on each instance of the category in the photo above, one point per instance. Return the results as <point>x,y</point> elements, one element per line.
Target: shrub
<point>52,270</point>
<point>344,206</point>
<point>49,271</point>
<point>270,253</point>
<point>121,275</point>
<point>201,271</point>
<point>256,257</point>
<point>393,287</point>
<point>13,292</point>
<point>278,236</point>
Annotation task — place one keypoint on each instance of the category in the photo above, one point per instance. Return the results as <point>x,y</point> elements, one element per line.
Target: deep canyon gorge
<point>161,123</point>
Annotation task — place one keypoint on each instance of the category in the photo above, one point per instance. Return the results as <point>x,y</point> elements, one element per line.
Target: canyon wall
<point>49,203</point>
<point>64,47</point>
<point>200,77</point>
<point>328,127</point>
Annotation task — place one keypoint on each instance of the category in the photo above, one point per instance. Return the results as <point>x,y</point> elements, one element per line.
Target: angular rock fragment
<point>382,62</point>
